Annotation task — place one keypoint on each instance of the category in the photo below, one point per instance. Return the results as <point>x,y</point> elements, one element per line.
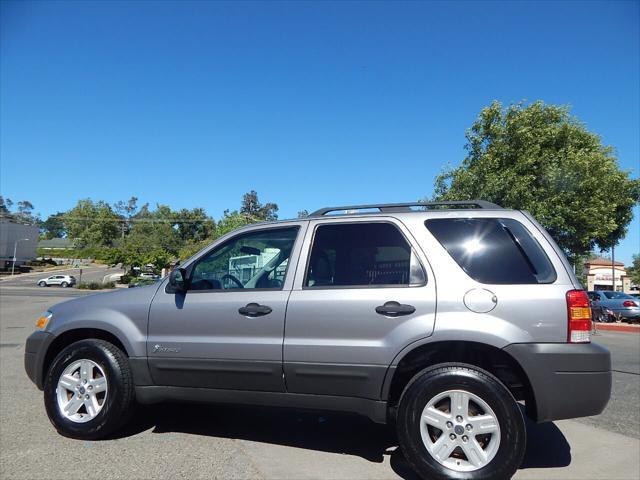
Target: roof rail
<point>405,207</point>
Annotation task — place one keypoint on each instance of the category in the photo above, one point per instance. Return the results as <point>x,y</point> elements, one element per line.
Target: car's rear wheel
<point>64,284</point>
<point>88,391</point>
<point>42,284</point>
<point>459,421</point>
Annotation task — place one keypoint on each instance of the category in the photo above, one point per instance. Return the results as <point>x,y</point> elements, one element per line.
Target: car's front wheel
<point>42,284</point>
<point>88,391</point>
<point>459,421</point>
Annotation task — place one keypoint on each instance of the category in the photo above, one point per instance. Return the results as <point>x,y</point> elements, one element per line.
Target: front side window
<point>253,260</point>
<point>494,250</point>
<point>361,254</point>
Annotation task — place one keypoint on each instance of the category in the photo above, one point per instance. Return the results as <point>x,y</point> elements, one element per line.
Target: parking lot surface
<point>213,441</point>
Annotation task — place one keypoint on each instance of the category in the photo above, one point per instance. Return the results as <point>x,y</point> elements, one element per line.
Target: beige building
<point>599,275</point>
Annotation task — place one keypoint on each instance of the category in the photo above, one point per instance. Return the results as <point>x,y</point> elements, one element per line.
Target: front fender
<point>123,313</point>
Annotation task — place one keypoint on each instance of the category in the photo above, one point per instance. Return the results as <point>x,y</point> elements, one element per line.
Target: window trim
<point>192,266</point>
<point>304,285</point>
<point>513,238</point>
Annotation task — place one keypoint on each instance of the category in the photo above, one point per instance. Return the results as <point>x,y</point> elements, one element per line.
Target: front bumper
<point>568,380</point>
<point>34,354</point>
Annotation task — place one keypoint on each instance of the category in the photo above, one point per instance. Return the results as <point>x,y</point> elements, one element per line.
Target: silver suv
<point>62,280</point>
<point>447,319</point>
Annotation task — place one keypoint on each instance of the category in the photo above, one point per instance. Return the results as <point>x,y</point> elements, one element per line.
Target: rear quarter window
<point>494,250</point>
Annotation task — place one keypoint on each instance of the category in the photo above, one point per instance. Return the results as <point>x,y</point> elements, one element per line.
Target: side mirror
<point>178,281</point>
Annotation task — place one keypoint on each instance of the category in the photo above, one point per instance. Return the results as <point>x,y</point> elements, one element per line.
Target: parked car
<point>62,280</point>
<point>439,318</point>
<point>149,276</point>
<point>621,304</point>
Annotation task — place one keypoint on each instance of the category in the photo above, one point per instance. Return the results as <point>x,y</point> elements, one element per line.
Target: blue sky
<point>193,104</point>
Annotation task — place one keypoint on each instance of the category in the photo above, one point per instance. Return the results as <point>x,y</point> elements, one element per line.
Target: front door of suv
<point>226,331</point>
<point>362,292</point>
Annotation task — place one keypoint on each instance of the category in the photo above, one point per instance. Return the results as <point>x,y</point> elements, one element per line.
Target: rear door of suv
<point>362,292</point>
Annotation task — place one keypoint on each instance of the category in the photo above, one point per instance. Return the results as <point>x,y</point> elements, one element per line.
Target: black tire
<point>64,284</point>
<point>42,284</point>
<point>120,398</point>
<point>440,378</point>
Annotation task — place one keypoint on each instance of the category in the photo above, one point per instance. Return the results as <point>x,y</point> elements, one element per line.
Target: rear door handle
<point>395,309</point>
<point>254,310</point>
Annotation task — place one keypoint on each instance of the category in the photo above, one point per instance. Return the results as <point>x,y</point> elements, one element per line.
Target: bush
<point>96,285</point>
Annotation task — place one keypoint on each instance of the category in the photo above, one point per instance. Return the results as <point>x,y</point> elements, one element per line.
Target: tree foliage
<point>23,213</point>
<point>92,223</point>
<point>139,235</point>
<point>251,207</point>
<point>53,226</point>
<point>634,270</point>
<point>541,159</point>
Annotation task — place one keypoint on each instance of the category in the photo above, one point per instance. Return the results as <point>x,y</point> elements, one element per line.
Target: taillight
<point>579,317</point>
<point>629,303</point>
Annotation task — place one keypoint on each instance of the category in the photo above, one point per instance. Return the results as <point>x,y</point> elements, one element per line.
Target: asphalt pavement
<point>213,441</point>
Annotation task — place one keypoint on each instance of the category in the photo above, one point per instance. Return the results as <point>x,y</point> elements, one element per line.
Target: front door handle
<point>254,310</point>
<point>395,309</point>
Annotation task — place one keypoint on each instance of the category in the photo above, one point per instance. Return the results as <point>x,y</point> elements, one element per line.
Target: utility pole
<point>15,248</point>
<point>613,269</point>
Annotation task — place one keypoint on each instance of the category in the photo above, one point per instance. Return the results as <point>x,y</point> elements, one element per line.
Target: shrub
<point>95,285</point>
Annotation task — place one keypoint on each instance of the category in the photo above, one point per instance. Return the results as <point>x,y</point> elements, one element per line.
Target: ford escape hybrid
<point>449,320</point>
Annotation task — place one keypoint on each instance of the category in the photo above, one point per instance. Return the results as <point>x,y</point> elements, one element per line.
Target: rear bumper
<point>34,354</point>
<point>568,380</point>
<point>628,313</point>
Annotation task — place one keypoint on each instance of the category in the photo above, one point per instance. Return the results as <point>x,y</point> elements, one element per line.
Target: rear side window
<point>611,295</point>
<point>361,254</point>
<point>494,250</point>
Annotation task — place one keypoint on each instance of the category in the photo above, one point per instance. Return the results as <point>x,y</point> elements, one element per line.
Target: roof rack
<point>405,207</point>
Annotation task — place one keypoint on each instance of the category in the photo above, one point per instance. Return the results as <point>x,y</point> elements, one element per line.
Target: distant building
<point>22,237</point>
<point>599,275</point>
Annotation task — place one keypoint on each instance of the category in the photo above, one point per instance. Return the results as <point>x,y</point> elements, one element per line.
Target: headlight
<point>43,321</point>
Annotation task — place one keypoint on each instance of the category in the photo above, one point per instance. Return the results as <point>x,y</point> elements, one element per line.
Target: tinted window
<point>362,254</point>
<point>253,260</point>
<point>617,295</point>
<point>493,250</point>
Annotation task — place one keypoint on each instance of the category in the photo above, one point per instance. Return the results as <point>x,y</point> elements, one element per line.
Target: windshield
<point>617,296</point>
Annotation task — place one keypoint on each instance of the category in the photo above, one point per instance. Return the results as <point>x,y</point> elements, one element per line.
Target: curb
<point>617,327</point>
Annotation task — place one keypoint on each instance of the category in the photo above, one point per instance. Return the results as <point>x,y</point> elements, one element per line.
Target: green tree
<point>194,225</point>
<point>5,206</point>
<point>53,226</point>
<point>232,220</point>
<point>92,224</point>
<point>541,159</point>
<point>25,212</point>
<point>252,207</point>
<point>634,270</point>
<point>126,210</point>
<point>155,229</point>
